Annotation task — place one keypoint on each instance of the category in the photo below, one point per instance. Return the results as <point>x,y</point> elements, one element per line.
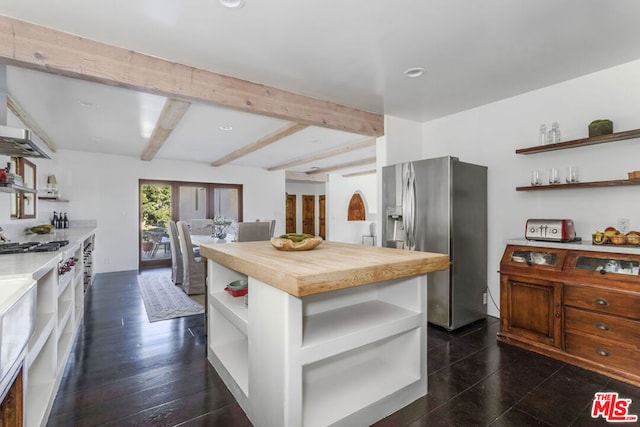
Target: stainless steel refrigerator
<point>440,205</point>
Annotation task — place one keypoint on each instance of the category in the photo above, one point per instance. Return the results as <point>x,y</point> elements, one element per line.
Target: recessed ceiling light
<point>414,72</point>
<point>87,104</point>
<point>225,127</point>
<point>315,141</point>
<point>232,4</point>
<point>314,168</point>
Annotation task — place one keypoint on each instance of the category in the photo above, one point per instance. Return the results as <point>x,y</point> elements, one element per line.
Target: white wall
<point>105,188</point>
<point>339,194</point>
<point>489,135</point>
<point>402,141</point>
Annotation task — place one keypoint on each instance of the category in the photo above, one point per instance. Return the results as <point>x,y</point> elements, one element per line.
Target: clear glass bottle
<point>554,133</point>
<point>542,137</point>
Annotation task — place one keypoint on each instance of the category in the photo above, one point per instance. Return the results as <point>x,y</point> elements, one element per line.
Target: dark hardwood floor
<point>125,371</point>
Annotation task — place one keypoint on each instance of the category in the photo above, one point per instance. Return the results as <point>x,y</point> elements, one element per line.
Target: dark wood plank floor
<point>125,371</point>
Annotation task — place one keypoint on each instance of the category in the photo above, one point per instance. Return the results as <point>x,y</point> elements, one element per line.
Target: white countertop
<point>36,264</point>
<point>582,246</point>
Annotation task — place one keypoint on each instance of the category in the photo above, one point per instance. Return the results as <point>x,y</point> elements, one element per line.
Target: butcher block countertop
<point>328,267</point>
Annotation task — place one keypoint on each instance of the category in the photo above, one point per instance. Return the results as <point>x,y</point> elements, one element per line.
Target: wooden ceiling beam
<point>303,176</point>
<point>367,172</point>
<point>344,166</point>
<point>326,154</point>
<point>29,123</point>
<point>44,49</point>
<point>283,132</point>
<point>172,112</point>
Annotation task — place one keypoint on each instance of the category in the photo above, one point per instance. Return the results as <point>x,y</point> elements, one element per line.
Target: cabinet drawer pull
<point>601,301</point>
<point>602,326</point>
<point>602,352</point>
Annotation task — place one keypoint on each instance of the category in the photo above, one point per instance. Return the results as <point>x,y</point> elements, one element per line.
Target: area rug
<point>163,300</point>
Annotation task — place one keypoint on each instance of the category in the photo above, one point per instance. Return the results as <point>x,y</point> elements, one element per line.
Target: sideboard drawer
<point>603,325</point>
<point>604,300</point>
<point>609,353</point>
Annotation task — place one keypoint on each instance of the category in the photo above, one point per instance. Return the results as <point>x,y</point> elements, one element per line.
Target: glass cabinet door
<point>608,265</point>
<point>534,257</point>
<point>23,202</point>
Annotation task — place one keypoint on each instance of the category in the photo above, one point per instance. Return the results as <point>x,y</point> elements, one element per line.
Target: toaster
<point>551,230</point>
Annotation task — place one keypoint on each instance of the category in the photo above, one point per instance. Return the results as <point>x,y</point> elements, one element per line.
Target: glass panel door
<point>197,202</point>
<point>193,202</point>
<point>226,203</point>
<point>155,212</point>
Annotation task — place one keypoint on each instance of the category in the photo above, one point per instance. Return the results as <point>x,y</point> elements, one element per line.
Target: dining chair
<point>177,269</point>
<point>193,267</point>
<point>201,226</point>
<point>254,231</point>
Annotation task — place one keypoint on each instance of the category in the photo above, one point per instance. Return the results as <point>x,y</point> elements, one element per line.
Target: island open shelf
<point>318,342</point>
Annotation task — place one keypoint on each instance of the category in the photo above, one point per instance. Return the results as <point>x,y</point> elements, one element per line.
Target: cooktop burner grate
<point>25,247</point>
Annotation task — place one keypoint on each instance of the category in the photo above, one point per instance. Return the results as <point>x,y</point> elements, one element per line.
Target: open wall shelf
<point>612,137</point>
<point>610,183</point>
<point>15,188</point>
<point>617,136</point>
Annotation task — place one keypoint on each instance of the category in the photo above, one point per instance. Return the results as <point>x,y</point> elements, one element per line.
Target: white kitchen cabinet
<point>58,310</point>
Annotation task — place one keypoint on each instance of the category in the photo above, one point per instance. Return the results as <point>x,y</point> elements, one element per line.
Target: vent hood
<point>14,141</point>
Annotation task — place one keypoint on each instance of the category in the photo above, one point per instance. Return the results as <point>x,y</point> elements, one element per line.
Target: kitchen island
<point>331,336</point>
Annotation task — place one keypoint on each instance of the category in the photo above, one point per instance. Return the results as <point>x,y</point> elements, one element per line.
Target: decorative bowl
<point>289,245</point>
<point>599,239</point>
<point>633,239</point>
<point>238,284</point>
<point>619,239</point>
<point>41,230</point>
<point>236,292</point>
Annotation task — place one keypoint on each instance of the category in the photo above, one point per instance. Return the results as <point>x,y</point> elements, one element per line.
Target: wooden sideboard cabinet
<point>579,306</point>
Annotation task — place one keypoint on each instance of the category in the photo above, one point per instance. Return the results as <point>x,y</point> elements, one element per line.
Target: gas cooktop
<point>19,248</point>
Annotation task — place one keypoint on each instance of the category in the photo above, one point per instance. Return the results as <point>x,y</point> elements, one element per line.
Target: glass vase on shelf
<point>554,133</point>
<point>542,136</point>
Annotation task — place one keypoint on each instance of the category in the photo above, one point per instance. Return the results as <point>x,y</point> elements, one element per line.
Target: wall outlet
<point>623,225</point>
<point>484,298</point>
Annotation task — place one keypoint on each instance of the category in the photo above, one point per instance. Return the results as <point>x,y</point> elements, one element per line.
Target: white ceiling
<point>348,52</point>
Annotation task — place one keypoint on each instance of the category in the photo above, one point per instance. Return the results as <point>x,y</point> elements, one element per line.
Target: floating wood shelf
<point>618,136</point>
<point>52,199</point>
<point>610,183</point>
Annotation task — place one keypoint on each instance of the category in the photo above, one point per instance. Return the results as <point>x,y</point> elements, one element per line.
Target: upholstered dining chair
<point>254,231</point>
<point>177,269</point>
<point>201,226</point>
<point>194,267</point>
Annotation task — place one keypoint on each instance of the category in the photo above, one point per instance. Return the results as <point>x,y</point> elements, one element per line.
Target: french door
<point>161,201</point>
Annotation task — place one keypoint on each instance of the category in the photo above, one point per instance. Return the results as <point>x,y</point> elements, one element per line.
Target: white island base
<point>342,357</point>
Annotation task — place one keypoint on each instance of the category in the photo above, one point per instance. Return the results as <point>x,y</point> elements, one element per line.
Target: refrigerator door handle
<point>412,203</point>
<point>406,177</point>
<point>409,206</point>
